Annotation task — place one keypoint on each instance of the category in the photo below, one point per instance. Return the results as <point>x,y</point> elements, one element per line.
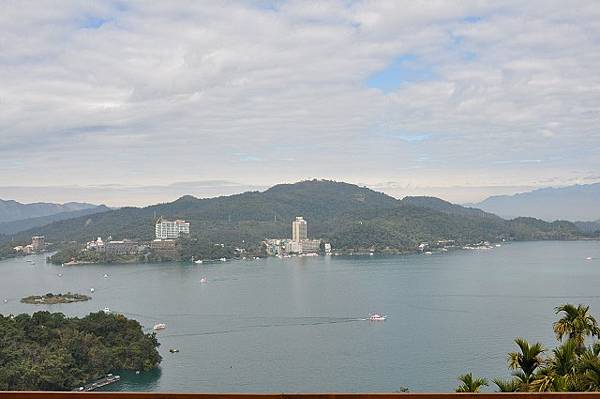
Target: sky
<point>133,103</point>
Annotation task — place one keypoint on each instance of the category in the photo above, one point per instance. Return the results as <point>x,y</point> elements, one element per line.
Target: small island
<point>52,299</point>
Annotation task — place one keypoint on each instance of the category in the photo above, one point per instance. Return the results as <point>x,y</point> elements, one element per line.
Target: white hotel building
<point>169,229</point>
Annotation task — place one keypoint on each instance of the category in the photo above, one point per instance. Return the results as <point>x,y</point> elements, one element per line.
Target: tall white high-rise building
<point>168,229</point>
<point>299,229</point>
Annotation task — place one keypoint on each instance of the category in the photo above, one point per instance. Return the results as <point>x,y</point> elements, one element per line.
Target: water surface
<point>295,324</point>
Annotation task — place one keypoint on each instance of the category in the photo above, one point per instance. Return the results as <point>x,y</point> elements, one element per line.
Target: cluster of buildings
<point>300,244</point>
<point>167,232</point>
<point>38,245</point>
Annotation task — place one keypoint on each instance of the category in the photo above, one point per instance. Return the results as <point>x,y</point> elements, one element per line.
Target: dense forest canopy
<point>348,215</point>
<point>49,351</point>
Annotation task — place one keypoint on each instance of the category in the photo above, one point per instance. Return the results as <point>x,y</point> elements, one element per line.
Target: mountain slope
<point>440,205</point>
<point>348,215</point>
<point>26,224</point>
<point>578,202</point>
<point>12,210</point>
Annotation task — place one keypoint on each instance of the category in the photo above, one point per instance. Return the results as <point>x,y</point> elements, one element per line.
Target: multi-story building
<point>124,247</point>
<point>95,245</point>
<point>299,229</point>
<point>38,243</point>
<point>310,246</point>
<point>293,247</point>
<point>170,229</point>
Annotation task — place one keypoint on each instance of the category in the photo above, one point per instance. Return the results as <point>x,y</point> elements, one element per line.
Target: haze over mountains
<point>347,215</point>
<point>15,216</point>
<point>574,203</point>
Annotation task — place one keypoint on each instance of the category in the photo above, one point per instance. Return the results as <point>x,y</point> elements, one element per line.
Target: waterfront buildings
<point>299,229</point>
<point>122,247</point>
<point>170,229</point>
<point>38,243</point>
<point>95,245</point>
<point>300,244</point>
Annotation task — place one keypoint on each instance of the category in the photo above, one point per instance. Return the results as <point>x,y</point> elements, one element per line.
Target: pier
<point>102,382</point>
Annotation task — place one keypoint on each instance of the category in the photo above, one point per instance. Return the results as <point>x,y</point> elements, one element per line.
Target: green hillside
<point>348,215</point>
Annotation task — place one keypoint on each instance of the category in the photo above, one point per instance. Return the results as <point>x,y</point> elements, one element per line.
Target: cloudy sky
<point>137,102</point>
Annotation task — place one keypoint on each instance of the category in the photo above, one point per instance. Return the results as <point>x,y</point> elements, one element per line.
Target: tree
<point>576,323</point>
<point>470,384</point>
<point>526,361</point>
<point>510,385</point>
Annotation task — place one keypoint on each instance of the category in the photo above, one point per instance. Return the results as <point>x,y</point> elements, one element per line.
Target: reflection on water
<point>298,324</point>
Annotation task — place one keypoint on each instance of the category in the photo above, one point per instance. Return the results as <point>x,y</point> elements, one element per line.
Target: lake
<point>297,324</point>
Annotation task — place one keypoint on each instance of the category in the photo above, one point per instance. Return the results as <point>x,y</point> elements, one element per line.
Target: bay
<point>297,324</point>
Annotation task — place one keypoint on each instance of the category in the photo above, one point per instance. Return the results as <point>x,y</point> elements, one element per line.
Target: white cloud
<point>145,93</point>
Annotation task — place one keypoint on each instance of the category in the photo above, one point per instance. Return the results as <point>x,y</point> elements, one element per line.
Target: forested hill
<point>346,214</point>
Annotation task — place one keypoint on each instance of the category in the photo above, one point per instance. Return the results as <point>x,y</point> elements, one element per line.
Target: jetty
<point>102,382</point>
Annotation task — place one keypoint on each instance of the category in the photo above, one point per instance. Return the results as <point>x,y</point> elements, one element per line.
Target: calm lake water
<point>296,324</point>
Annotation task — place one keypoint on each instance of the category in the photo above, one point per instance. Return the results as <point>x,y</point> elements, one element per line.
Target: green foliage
<point>48,351</point>
<point>349,216</point>
<point>470,384</point>
<point>570,367</point>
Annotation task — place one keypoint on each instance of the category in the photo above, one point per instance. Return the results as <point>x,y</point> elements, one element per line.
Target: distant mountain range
<point>578,202</point>
<point>347,215</point>
<point>12,210</point>
<point>25,224</point>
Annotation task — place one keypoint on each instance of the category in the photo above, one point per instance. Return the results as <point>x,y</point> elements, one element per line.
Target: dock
<point>102,382</point>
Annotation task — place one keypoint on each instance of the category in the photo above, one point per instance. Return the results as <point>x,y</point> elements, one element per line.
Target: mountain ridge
<point>347,215</point>
<point>575,203</point>
<point>11,210</point>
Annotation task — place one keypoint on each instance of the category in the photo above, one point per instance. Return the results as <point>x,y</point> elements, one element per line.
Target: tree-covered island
<point>51,299</point>
<point>52,352</point>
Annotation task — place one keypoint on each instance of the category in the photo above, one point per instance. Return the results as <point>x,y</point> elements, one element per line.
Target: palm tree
<point>511,385</point>
<point>526,362</point>
<point>590,375</point>
<point>576,323</point>
<point>470,384</point>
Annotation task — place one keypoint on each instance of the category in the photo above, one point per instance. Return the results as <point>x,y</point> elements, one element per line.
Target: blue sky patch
<point>403,70</point>
<point>92,22</point>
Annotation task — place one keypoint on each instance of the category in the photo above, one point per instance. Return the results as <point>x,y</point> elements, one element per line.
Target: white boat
<point>198,262</point>
<point>589,258</point>
<point>376,317</point>
<point>428,253</point>
<point>106,310</point>
<point>159,326</point>
<point>59,275</point>
<point>105,275</point>
<point>92,290</point>
<point>223,259</point>
<point>204,280</point>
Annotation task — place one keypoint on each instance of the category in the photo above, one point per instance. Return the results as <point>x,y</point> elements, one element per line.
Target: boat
<point>198,262</point>
<point>223,259</point>
<point>204,280</point>
<point>59,275</point>
<point>428,253</point>
<point>159,326</point>
<point>589,258</point>
<point>106,310</point>
<point>105,275</point>
<point>376,317</point>
<point>92,290</point>
<point>174,350</point>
